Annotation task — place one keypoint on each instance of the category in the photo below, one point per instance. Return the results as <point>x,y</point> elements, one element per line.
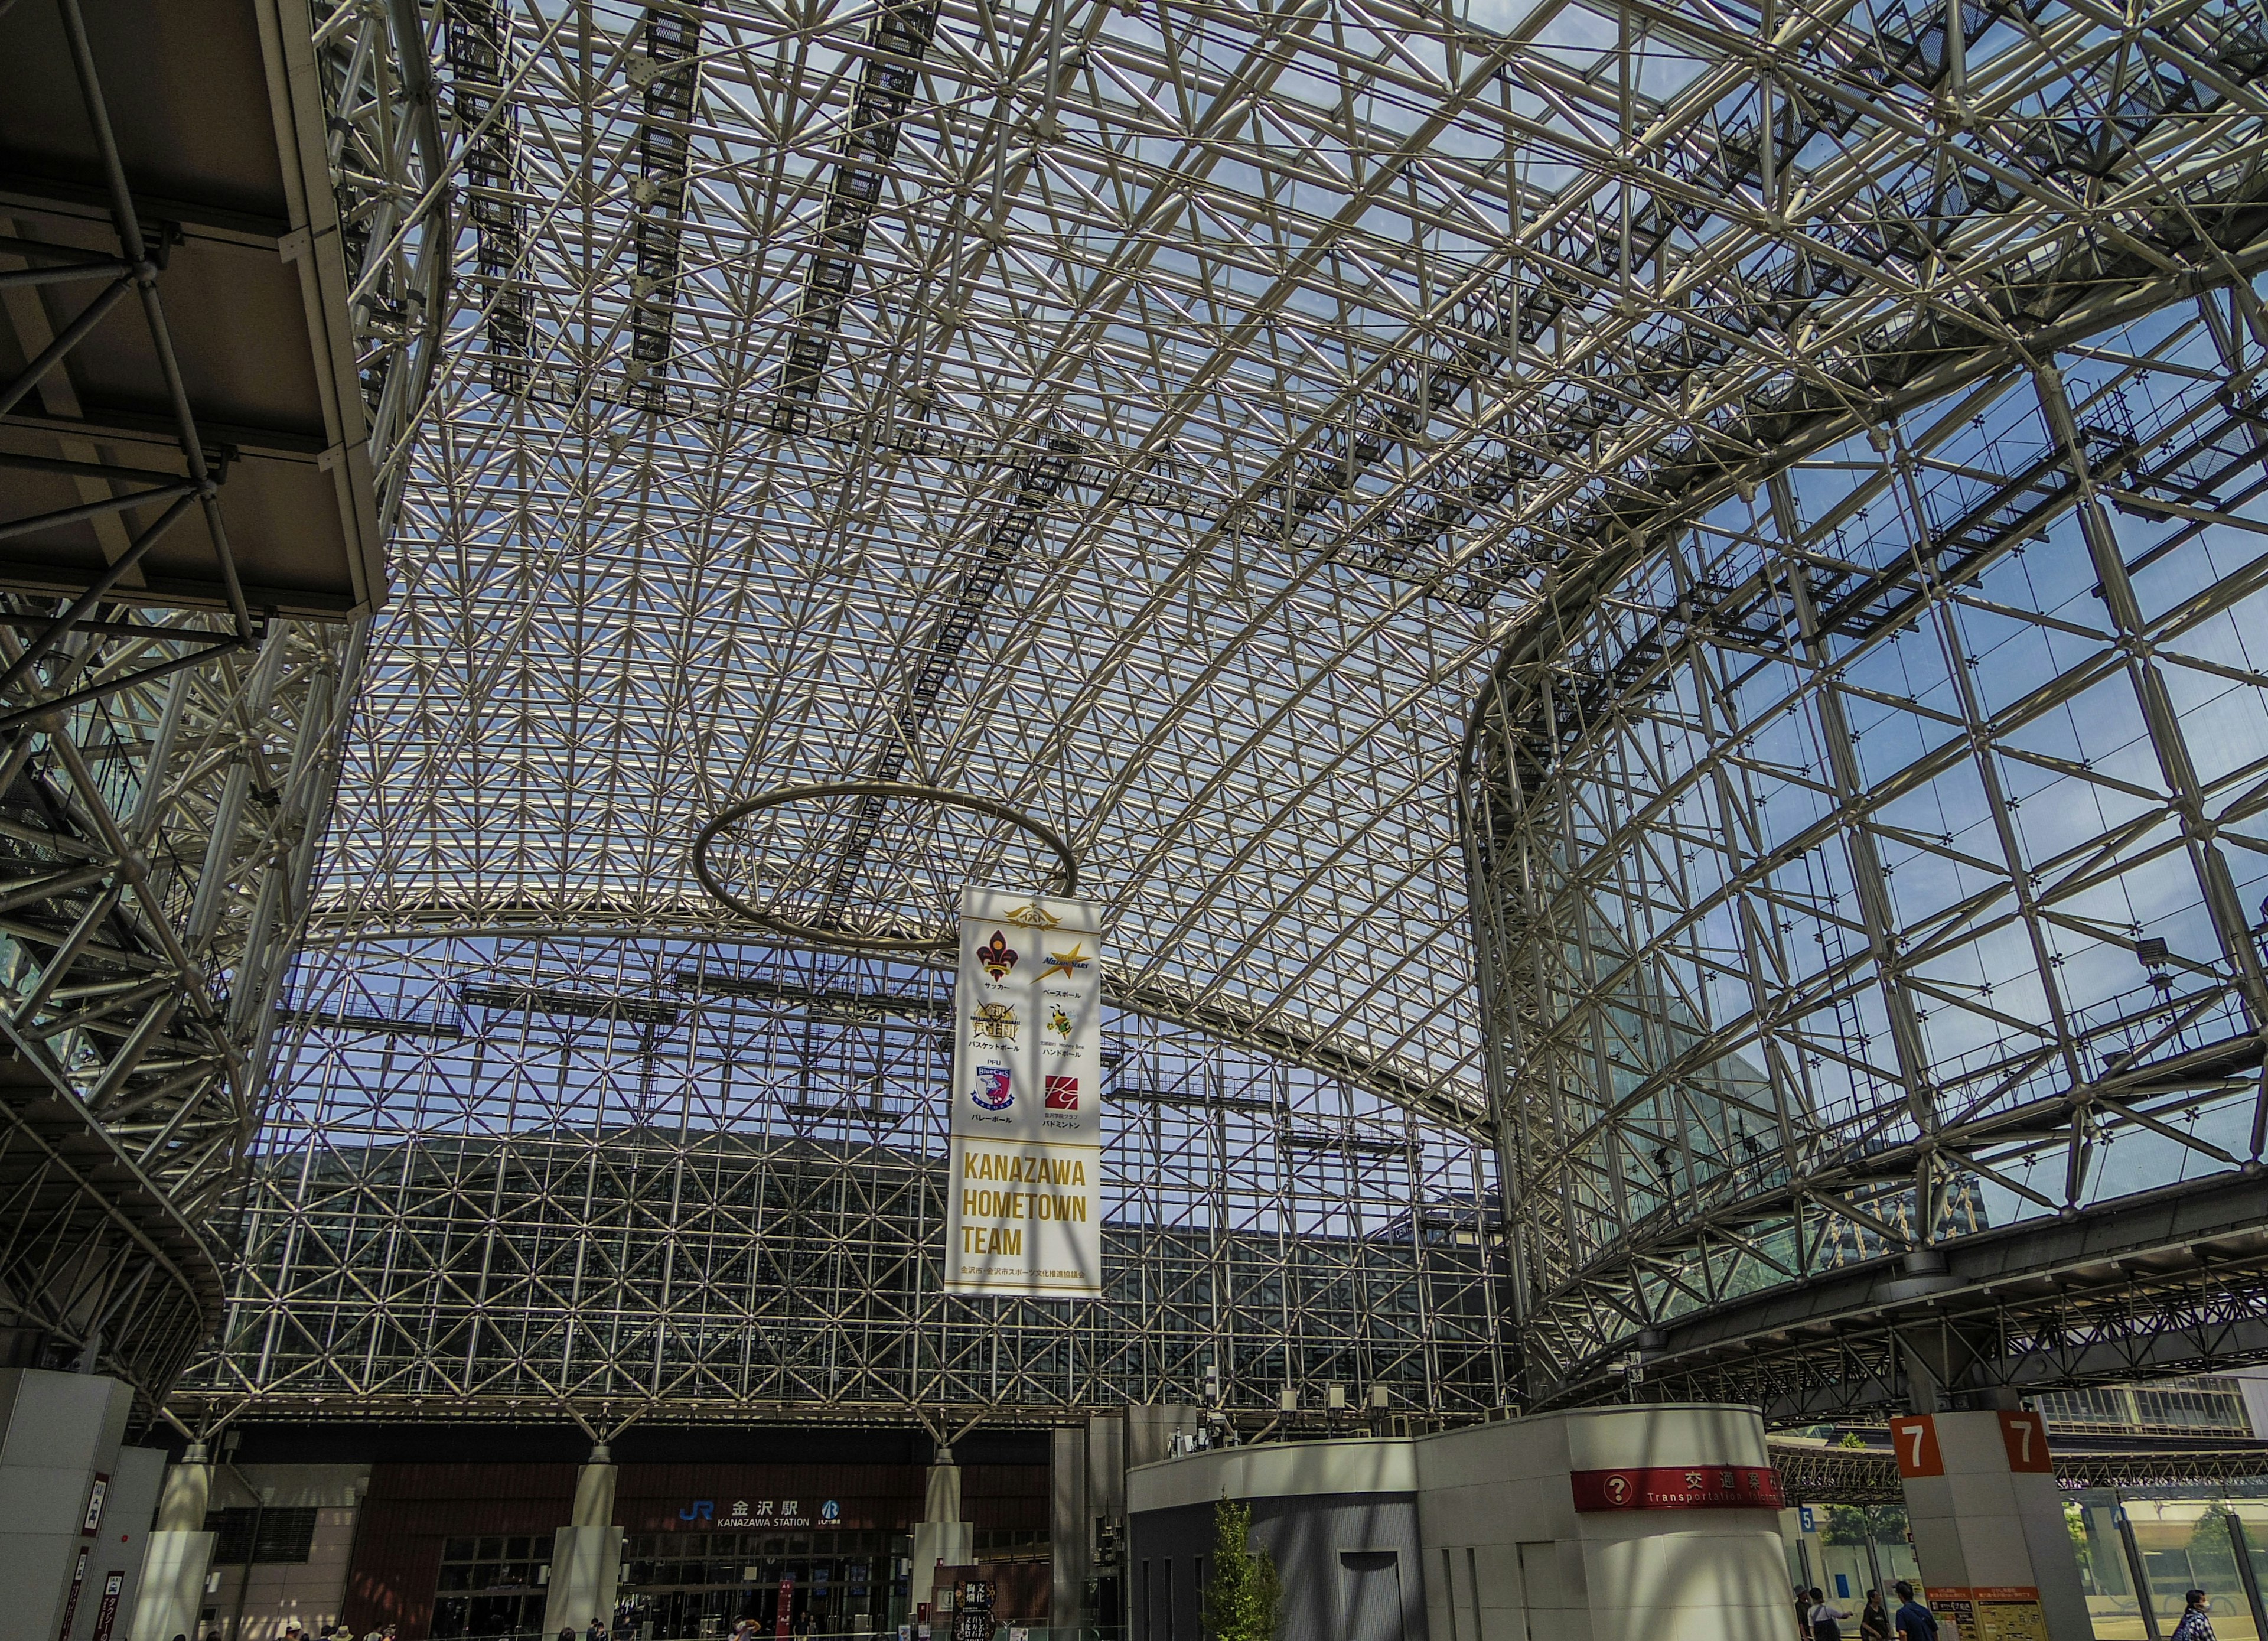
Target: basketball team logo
<point>992,1093</point>
<point>1063,1094</point>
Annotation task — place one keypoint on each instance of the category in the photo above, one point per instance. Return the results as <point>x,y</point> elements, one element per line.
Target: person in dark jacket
<point>2197,1620</point>
<point>1874,1618</point>
<point>1915,1622</point>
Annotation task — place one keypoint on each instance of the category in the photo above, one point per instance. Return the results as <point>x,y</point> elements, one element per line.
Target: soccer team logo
<point>992,1091</point>
<point>997,958</point>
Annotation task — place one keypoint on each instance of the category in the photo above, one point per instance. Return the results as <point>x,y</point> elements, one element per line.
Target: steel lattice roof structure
<point>1157,415</point>
<point>1288,453</point>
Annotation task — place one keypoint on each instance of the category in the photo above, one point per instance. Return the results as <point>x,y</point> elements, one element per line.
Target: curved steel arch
<point>1671,801</point>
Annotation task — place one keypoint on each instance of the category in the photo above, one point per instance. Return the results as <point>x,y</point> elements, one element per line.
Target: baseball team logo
<point>1063,1094</point>
<point>992,1093</point>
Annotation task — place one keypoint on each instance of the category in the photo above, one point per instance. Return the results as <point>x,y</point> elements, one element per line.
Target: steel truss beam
<point>1811,1475</point>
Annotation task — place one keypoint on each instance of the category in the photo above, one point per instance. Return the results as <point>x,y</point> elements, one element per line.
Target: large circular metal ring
<point>1066,871</point>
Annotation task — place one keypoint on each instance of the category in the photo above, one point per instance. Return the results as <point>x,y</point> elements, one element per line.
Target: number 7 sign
<point>1915,1438</point>
<point>2026,1440</point>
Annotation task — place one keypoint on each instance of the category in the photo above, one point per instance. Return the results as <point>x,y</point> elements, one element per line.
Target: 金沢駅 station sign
<point>1024,1196</point>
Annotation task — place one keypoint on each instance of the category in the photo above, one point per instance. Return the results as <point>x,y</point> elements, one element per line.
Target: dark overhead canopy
<point>216,137</point>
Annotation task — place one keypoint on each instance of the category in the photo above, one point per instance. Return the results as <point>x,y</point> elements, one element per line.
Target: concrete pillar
<point>1988,1523</point>
<point>586,1554</point>
<point>942,1535</point>
<point>179,1556</point>
<point>60,1435</point>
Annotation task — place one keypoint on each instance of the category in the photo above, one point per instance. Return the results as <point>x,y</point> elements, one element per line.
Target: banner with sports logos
<point>1024,1204</point>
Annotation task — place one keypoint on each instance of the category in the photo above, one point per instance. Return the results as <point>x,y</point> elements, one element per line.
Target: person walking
<point>2196,1619</point>
<point>1915,1622</point>
<point>1874,1618</point>
<point>1827,1619</point>
<point>1802,1613</point>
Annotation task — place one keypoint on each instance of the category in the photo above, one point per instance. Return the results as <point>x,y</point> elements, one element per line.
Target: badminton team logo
<point>1063,1094</point>
<point>992,1093</point>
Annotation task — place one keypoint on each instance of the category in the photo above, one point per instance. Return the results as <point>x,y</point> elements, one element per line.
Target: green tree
<point>2212,1557</point>
<point>1242,1591</point>
<point>1848,1523</point>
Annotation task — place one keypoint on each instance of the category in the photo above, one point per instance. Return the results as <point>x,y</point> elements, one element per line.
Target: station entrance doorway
<point>677,1586</point>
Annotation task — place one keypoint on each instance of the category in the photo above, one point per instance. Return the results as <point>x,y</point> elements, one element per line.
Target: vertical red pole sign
<point>106,1617</point>
<point>70,1607</point>
<point>783,1615</point>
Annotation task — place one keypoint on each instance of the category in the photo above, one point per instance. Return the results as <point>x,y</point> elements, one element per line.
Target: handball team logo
<point>992,1093</point>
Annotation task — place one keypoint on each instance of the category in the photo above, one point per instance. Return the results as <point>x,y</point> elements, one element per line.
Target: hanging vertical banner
<point>1024,1202</point>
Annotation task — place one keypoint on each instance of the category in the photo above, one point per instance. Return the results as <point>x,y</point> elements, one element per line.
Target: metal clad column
<point>1071,1524</point>
<point>942,1535</point>
<point>587,1555</point>
<point>180,1551</point>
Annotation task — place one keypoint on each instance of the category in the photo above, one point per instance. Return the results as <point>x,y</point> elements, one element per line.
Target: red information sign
<point>2026,1440</point>
<point>783,1615</point>
<point>1679,1487</point>
<point>1915,1438</point>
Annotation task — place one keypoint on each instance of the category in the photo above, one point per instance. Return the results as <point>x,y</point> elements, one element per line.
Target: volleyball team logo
<point>992,1091</point>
